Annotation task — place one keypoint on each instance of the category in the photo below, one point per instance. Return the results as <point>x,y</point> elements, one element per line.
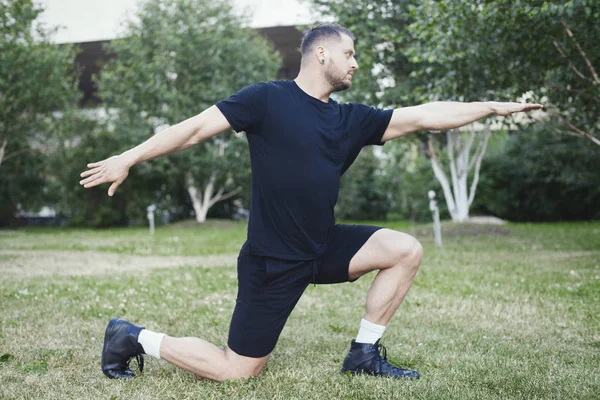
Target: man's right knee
<point>238,366</point>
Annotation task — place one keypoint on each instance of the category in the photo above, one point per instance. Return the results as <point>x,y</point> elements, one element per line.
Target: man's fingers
<point>529,107</point>
<point>95,164</point>
<point>113,187</point>
<point>90,172</point>
<point>91,182</point>
<point>90,179</point>
<point>519,107</point>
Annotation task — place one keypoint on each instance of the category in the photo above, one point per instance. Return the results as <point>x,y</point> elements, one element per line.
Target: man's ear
<point>320,52</point>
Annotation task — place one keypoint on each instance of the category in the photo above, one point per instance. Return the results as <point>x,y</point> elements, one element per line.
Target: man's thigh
<point>344,242</point>
<point>384,249</point>
<point>268,290</point>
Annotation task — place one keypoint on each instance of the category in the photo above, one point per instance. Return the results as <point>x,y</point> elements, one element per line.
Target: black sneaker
<point>364,358</point>
<point>120,347</point>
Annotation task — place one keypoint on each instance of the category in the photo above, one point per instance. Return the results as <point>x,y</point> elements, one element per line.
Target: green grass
<point>187,238</point>
<point>507,312</point>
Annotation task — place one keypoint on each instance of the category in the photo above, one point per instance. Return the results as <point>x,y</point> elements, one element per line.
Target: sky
<point>89,20</point>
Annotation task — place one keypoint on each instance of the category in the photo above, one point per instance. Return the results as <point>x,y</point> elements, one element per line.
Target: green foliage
<point>539,175</point>
<point>179,59</point>
<point>365,189</point>
<point>36,79</point>
<point>381,41</point>
<point>502,49</point>
<point>390,185</point>
<point>413,178</point>
<point>21,178</point>
<point>83,140</point>
<point>412,202</point>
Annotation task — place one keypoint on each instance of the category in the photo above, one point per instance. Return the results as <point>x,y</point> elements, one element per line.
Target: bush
<point>147,184</point>
<point>389,185</point>
<point>364,190</point>
<point>540,175</point>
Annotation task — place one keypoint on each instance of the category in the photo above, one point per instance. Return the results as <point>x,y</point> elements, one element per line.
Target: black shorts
<point>269,288</point>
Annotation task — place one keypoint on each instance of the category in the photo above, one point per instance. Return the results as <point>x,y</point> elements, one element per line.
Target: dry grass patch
<point>19,264</point>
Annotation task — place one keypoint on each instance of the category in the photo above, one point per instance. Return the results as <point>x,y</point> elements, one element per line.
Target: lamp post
<point>150,209</point>
<point>437,230</point>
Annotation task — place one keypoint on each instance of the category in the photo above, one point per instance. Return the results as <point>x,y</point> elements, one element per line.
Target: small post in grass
<point>150,209</point>
<point>437,230</point>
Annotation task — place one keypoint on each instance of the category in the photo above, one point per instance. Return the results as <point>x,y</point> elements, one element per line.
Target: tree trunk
<point>202,201</point>
<point>2,150</point>
<point>458,196</point>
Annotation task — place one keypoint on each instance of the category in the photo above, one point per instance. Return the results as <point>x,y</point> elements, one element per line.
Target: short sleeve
<point>246,108</point>
<point>373,123</point>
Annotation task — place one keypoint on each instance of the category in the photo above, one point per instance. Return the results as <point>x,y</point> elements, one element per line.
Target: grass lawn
<point>508,312</point>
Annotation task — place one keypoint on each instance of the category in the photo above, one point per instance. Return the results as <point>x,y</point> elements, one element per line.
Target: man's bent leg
<point>209,361</point>
<point>397,256</point>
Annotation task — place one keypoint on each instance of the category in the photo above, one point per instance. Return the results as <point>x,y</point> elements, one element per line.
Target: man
<point>301,142</point>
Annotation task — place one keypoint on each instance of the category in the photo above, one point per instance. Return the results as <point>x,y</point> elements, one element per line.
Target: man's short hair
<point>323,32</point>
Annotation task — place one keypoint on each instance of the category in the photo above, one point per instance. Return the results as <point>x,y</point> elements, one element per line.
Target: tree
<point>547,48</point>
<point>458,193</point>
<point>504,49</point>
<point>36,79</point>
<point>181,57</point>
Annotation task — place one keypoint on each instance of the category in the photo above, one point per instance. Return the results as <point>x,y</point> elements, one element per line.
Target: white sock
<point>150,341</point>
<point>369,332</point>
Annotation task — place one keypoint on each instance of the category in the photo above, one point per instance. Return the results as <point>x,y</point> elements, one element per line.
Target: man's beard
<point>338,83</point>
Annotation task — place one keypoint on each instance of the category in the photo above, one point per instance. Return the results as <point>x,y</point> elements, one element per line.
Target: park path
<point>18,264</point>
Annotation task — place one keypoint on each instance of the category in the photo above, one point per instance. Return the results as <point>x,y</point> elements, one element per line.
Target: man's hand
<point>505,109</point>
<point>114,169</point>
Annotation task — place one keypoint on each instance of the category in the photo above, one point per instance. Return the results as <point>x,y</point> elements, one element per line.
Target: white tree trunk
<point>458,197</point>
<point>2,150</point>
<point>479,153</point>
<point>204,200</point>
<point>441,177</point>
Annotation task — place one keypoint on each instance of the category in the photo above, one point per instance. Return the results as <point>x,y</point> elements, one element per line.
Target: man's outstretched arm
<point>173,139</point>
<point>441,115</point>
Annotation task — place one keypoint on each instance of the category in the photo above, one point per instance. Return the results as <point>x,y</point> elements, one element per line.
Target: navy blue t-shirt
<point>299,149</point>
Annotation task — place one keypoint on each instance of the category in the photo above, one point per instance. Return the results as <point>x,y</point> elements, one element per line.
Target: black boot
<point>364,358</point>
<point>120,346</point>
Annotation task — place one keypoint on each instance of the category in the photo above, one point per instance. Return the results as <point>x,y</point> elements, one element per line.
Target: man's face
<point>340,64</point>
